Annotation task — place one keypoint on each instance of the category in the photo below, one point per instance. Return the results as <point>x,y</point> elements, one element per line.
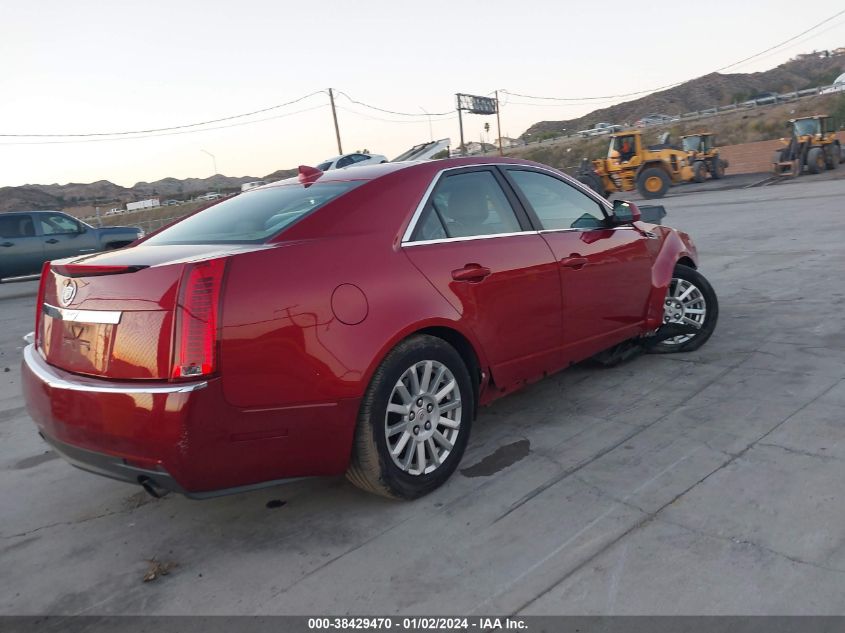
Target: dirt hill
<point>805,71</point>
<point>107,194</point>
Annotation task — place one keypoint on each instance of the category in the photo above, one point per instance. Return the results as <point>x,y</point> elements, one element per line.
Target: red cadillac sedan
<point>346,322</point>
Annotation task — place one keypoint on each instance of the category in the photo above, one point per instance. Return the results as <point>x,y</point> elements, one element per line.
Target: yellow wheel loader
<point>703,156</point>
<point>630,164</point>
<point>813,147</point>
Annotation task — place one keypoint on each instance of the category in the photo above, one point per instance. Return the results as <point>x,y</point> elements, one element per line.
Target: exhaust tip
<point>153,489</point>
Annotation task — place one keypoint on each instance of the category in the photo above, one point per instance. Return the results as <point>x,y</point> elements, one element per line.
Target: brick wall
<point>750,158</point>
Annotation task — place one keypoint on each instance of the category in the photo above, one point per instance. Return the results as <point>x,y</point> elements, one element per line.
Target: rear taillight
<point>39,303</point>
<point>195,344</point>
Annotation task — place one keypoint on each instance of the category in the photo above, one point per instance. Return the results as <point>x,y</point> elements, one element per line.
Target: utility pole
<point>499,124</point>
<point>430,129</point>
<point>336,128</point>
<point>462,147</point>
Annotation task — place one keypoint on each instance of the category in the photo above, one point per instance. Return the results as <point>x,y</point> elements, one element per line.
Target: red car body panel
<point>306,319</point>
<point>516,310</point>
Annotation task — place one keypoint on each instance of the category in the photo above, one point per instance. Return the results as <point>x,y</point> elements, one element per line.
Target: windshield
<point>806,126</point>
<point>253,216</point>
<point>623,147</point>
<point>692,143</point>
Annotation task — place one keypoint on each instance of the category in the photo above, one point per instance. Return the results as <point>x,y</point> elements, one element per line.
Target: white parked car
<point>599,129</point>
<point>211,195</point>
<point>837,86</point>
<point>252,185</point>
<point>348,160</point>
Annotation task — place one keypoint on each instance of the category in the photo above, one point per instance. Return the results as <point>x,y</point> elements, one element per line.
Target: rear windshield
<point>253,216</point>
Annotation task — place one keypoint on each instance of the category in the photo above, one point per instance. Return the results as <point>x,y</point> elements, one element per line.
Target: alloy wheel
<point>423,417</point>
<point>684,305</point>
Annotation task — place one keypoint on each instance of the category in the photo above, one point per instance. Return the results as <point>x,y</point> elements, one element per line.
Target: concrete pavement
<point>705,483</point>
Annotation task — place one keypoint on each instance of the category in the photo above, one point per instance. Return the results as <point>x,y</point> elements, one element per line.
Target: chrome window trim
<point>406,237</point>
<point>468,238</point>
<point>53,379</point>
<point>591,228</point>
<point>412,225</point>
<point>110,317</point>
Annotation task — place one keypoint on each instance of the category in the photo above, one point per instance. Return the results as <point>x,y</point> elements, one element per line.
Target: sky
<point>86,67</point>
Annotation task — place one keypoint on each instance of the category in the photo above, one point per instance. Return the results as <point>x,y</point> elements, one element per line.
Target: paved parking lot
<point>702,483</point>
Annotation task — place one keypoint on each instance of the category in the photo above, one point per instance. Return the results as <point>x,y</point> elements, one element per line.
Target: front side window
<point>344,162</point>
<point>16,226</point>
<point>557,204</point>
<point>325,166</point>
<point>57,224</point>
<point>466,205</point>
<point>254,216</point>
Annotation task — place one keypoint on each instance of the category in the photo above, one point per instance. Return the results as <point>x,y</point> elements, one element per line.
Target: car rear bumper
<point>182,437</point>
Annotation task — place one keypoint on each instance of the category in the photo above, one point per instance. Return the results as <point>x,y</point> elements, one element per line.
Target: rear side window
<point>467,205</point>
<point>16,226</point>
<point>254,216</point>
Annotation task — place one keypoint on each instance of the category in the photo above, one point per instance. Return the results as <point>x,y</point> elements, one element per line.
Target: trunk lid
<point>114,314</point>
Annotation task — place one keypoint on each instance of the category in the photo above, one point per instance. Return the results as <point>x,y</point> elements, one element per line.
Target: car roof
<point>374,171</point>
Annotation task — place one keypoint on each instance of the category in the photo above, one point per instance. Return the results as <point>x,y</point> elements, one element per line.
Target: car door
<point>473,242</point>
<point>21,250</point>
<point>64,236</point>
<point>605,272</point>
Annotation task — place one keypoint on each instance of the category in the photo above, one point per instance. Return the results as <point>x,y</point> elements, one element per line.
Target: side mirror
<point>625,212</point>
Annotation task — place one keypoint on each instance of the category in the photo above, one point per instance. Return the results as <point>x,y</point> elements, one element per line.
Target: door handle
<point>574,261</point>
<point>471,272</point>
<point>7,244</point>
<point>52,240</point>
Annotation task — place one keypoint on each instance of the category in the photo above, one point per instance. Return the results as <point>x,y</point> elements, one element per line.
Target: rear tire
<point>690,294</point>
<point>717,168</point>
<point>594,182</point>
<point>653,182</point>
<point>833,156</point>
<point>815,160</point>
<point>699,171</point>
<point>393,425</point>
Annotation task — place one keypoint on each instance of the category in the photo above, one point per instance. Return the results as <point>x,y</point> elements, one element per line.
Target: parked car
<point>348,160</point>
<point>346,323</point>
<point>837,86</point>
<point>252,185</point>
<point>211,195</point>
<point>172,203</point>
<point>600,128</point>
<point>655,119</point>
<point>30,238</point>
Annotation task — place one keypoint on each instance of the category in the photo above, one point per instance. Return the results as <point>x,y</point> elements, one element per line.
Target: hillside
<point>107,194</point>
<point>805,71</point>
<point>744,126</point>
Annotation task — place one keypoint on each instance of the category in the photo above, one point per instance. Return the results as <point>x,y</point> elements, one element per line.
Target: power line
<point>667,86</point>
<point>372,107</point>
<point>167,129</point>
<point>132,138</point>
<point>420,120</point>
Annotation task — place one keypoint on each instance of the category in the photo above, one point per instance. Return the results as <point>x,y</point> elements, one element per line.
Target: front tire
<point>699,171</point>
<point>594,182</point>
<point>414,421</point>
<point>653,182</point>
<point>690,300</point>
<point>717,168</point>
<point>815,160</point>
